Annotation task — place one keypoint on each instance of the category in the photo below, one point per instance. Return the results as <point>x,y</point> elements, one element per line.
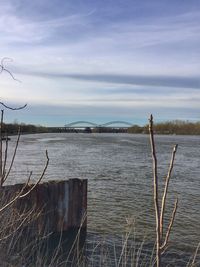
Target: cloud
<point>18,30</point>
<point>161,81</point>
<point>111,56</point>
<point>89,38</point>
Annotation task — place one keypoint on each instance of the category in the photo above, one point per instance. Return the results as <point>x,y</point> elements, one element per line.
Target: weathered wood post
<point>59,217</point>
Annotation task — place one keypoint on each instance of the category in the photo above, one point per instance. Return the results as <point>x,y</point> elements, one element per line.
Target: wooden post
<point>60,212</point>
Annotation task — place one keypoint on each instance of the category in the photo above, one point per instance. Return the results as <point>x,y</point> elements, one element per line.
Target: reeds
<point>19,246</point>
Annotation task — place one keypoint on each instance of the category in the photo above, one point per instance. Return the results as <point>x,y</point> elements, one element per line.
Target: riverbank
<point>177,127</point>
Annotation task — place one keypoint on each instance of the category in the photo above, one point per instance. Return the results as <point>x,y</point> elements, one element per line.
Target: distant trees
<point>12,128</point>
<point>108,130</point>
<point>170,127</point>
<point>136,129</point>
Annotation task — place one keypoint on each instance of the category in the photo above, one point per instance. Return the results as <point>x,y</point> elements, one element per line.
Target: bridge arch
<point>77,123</point>
<point>83,124</point>
<point>116,122</point>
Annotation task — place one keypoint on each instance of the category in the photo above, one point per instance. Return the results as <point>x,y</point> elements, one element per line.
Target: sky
<point>100,60</point>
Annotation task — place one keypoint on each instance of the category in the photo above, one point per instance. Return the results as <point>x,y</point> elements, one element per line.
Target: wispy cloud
<point>97,54</point>
<point>19,30</point>
<point>153,80</point>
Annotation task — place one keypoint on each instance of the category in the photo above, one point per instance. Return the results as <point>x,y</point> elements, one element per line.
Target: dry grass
<point>20,247</point>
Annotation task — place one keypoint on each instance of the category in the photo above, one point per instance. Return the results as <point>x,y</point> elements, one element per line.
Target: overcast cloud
<point>101,60</point>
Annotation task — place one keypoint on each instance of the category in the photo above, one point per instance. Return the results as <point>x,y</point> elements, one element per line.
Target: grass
<point>20,247</point>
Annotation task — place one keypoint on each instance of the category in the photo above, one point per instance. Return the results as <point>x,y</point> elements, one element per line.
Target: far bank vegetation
<point>177,127</point>
<point>170,127</point>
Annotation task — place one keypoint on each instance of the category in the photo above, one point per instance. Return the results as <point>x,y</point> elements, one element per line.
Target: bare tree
<point>161,239</point>
<point>4,169</point>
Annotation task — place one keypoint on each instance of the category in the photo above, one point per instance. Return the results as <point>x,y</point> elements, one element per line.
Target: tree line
<point>169,127</point>
<point>13,128</point>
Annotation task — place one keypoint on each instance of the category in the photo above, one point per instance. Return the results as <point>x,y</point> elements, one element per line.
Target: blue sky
<point>101,60</point>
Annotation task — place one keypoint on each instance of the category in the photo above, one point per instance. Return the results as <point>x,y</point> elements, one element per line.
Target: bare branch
<point>195,255</point>
<point>14,199</point>
<point>20,194</point>
<point>39,180</point>
<point>166,189</point>
<point>29,178</point>
<point>1,147</point>
<point>159,214</point>
<point>2,68</point>
<point>5,158</point>
<point>13,158</point>
<point>5,59</point>
<point>11,108</point>
<point>170,224</point>
<point>156,202</point>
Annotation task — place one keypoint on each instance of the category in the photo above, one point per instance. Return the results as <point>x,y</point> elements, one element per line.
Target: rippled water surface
<point>119,172</point>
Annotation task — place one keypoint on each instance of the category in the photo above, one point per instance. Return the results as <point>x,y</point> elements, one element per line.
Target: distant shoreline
<point>164,128</point>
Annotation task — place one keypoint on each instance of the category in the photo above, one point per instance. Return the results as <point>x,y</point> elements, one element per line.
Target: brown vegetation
<point>170,127</point>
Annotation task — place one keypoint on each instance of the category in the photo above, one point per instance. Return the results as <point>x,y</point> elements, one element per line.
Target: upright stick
<point>1,146</point>
<point>161,242</point>
<point>156,197</point>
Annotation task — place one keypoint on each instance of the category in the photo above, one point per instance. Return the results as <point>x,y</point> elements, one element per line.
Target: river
<point>119,172</point>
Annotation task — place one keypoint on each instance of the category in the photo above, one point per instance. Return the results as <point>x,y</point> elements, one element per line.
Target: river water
<point>119,172</point>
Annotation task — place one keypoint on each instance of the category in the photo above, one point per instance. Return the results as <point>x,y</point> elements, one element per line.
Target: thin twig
<point>20,194</point>
<point>1,146</point>
<point>29,178</point>
<point>13,200</point>
<point>195,255</point>
<point>170,225</point>
<point>5,158</point>
<point>166,189</point>
<point>13,157</point>
<point>3,69</point>
<point>39,180</point>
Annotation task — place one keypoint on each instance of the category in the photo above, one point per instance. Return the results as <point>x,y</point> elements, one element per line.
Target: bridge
<point>111,124</point>
<point>87,126</point>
